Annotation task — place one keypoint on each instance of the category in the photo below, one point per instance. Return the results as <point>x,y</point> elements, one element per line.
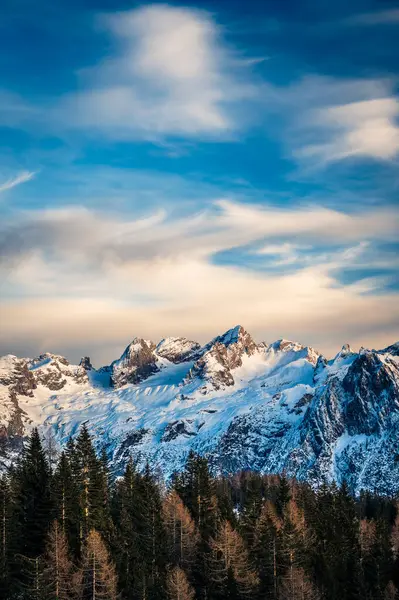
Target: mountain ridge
<point>269,407</point>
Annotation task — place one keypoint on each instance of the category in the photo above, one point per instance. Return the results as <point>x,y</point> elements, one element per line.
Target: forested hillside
<point>68,531</point>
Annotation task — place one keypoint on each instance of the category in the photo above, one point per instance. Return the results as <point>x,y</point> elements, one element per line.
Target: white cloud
<point>86,280</point>
<point>17,180</point>
<point>366,128</point>
<point>171,75</point>
<point>334,120</point>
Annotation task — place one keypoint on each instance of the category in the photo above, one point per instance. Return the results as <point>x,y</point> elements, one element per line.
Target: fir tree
<point>32,500</point>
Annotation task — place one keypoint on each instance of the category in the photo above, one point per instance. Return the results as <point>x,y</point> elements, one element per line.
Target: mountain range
<point>268,407</point>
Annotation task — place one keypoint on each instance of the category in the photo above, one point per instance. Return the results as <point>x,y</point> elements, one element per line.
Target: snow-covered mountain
<point>271,408</point>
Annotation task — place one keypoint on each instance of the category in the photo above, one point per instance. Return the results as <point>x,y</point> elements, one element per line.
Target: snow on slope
<point>264,407</point>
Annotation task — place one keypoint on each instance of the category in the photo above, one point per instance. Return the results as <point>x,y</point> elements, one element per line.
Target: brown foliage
<point>178,586</point>
<point>181,531</point>
<point>229,554</point>
<point>297,586</point>
<point>99,580</point>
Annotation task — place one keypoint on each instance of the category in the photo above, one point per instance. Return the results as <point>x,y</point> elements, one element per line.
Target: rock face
<point>220,357</point>
<point>136,363</point>
<point>178,349</point>
<point>85,363</point>
<point>272,407</point>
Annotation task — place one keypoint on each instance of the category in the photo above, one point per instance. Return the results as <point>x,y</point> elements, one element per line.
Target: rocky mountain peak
<point>178,349</point>
<point>393,350</point>
<point>137,362</point>
<point>221,356</point>
<point>86,363</point>
<point>273,408</point>
<point>345,351</point>
<point>237,335</point>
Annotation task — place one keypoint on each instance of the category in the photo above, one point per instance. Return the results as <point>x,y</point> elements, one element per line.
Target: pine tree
<point>92,485</point>
<point>283,495</point>
<point>251,509</point>
<point>99,581</point>
<point>126,516</point>
<point>178,586</point>
<point>196,488</point>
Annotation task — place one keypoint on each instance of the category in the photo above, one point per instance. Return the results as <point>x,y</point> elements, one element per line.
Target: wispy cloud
<point>17,180</point>
<point>337,119</point>
<point>111,273</point>
<point>171,74</point>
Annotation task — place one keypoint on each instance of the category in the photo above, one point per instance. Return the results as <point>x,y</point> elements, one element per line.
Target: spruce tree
<point>32,499</point>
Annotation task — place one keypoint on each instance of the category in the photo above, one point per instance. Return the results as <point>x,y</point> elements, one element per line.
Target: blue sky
<point>175,169</point>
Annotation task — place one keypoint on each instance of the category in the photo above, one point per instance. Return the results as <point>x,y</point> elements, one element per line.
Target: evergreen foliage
<point>71,531</point>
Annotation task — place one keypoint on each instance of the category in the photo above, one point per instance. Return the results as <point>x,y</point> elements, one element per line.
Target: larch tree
<point>298,587</point>
<point>99,580</point>
<point>182,535</point>
<point>57,573</point>
<point>229,563</point>
<point>177,585</point>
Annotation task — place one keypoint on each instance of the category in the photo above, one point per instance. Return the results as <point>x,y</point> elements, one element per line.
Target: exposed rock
<point>267,407</point>
<point>178,349</point>
<point>85,363</point>
<point>221,356</point>
<point>136,363</point>
<point>173,430</point>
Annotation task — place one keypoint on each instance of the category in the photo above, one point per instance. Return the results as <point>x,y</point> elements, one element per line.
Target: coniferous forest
<point>70,531</point>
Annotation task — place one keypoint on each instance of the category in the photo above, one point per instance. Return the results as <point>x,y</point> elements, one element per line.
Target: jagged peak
<point>136,346</point>
<point>47,358</point>
<point>345,351</point>
<point>286,345</point>
<point>392,349</point>
<point>231,336</point>
<point>86,363</point>
<point>178,349</point>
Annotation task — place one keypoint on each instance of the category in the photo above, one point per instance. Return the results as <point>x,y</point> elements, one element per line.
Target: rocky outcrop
<point>55,372</point>
<point>221,357</point>
<point>178,349</point>
<point>85,363</point>
<point>136,363</point>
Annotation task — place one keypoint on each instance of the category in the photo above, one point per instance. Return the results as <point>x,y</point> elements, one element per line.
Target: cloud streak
<point>156,275</point>
<point>17,180</point>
